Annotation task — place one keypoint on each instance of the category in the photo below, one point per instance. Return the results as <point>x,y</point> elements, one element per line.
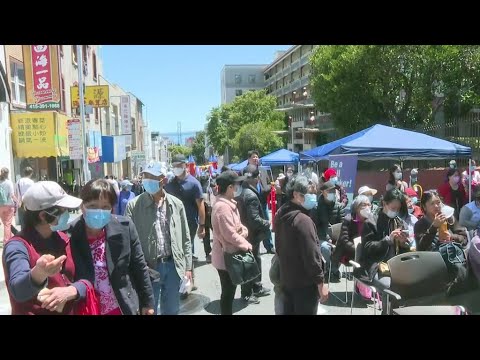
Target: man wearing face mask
<point>300,262</point>
<point>341,195</point>
<point>329,212</point>
<point>163,230</point>
<point>189,190</point>
<point>253,216</point>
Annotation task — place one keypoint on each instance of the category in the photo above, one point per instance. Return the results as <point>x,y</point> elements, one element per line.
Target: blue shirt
<point>189,190</point>
<point>123,199</point>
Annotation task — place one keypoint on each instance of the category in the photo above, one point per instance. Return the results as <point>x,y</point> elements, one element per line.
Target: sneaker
<point>208,259</point>
<point>251,299</point>
<point>262,292</point>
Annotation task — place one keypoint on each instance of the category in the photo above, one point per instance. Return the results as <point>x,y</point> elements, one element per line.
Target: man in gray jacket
<point>162,228</point>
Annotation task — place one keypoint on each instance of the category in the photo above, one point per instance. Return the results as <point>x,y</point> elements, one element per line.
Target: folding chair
<point>418,279</point>
<point>356,264</point>
<point>335,235</point>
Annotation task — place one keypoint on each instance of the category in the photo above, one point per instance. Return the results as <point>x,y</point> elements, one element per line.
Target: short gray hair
<point>359,200</point>
<point>297,183</point>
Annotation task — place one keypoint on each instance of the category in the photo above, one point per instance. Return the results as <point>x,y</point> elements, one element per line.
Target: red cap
<point>410,192</point>
<point>329,173</point>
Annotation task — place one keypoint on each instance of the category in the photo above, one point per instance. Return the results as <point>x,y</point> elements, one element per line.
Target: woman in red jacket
<point>452,192</point>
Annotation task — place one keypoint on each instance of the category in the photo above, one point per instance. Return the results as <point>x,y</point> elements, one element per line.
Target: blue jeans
<point>166,289</point>
<point>326,251</point>
<point>268,243</point>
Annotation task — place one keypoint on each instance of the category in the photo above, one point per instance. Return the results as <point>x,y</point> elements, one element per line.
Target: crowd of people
<point>132,250</point>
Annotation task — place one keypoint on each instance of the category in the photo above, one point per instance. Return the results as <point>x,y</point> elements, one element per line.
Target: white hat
<point>155,168</point>
<point>46,194</point>
<point>365,189</point>
<point>281,176</point>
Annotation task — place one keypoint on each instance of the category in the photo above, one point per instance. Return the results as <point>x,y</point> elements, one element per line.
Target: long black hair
<point>395,194</point>
<point>451,172</point>
<point>427,196</point>
<point>392,170</point>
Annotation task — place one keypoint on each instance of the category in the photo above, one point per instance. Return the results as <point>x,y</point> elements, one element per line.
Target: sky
<point>178,82</point>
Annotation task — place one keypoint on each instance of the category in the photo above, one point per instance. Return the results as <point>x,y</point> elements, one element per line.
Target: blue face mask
<point>414,200</point>
<point>310,201</point>
<point>62,222</point>
<point>151,186</point>
<point>97,218</point>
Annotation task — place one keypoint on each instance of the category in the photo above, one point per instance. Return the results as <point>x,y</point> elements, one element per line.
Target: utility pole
<point>86,172</point>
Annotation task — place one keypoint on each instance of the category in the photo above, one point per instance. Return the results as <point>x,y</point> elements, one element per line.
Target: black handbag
<point>241,266</point>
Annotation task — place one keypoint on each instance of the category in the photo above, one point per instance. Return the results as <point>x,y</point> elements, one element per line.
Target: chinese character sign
<point>346,167</point>
<point>125,115</point>
<point>75,139</point>
<point>42,79</point>
<point>33,134</point>
<point>96,96</point>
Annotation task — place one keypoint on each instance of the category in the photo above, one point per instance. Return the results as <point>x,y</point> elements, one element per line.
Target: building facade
<point>6,158</point>
<point>238,79</point>
<point>287,78</point>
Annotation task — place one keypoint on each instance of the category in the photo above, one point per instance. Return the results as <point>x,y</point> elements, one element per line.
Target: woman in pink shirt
<point>230,234</point>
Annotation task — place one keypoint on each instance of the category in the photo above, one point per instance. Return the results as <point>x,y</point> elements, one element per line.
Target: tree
<point>399,85</point>
<point>258,136</point>
<point>198,148</point>
<point>255,109</point>
<point>179,149</point>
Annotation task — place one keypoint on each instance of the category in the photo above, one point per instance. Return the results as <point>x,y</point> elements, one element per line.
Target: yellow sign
<point>42,80</point>
<point>37,135</point>
<point>96,96</point>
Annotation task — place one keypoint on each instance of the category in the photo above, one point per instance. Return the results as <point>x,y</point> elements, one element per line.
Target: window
<point>17,82</point>
<point>238,79</point>
<point>61,50</point>
<point>85,61</point>
<point>238,92</point>
<point>251,79</point>
<point>94,65</point>
<point>97,116</point>
<point>62,85</point>
<point>74,54</point>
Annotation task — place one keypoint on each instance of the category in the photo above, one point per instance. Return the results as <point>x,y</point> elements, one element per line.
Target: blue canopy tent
<point>385,142</point>
<point>280,158</point>
<point>239,166</point>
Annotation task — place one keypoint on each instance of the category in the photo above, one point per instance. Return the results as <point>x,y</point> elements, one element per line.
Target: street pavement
<point>205,300</point>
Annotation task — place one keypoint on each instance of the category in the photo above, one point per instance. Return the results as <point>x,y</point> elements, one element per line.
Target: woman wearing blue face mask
<point>107,252</point>
<point>39,268</point>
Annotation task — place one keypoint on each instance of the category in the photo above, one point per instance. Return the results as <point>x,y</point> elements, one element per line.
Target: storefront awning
<point>39,134</point>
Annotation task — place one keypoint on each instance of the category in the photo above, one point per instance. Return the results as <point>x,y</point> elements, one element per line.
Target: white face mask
<point>397,175</point>
<point>366,213</point>
<point>392,214</point>
<point>178,171</point>
<point>410,210</point>
<point>237,191</point>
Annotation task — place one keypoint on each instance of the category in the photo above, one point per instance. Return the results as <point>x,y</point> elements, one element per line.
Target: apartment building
<point>238,79</point>
<point>287,78</point>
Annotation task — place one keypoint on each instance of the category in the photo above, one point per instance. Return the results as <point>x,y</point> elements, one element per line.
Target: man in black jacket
<point>253,217</point>
<point>329,212</point>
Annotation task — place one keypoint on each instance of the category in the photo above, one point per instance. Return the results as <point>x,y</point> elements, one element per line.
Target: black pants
<point>206,242</point>
<point>303,301</point>
<point>256,284</point>
<point>228,293</point>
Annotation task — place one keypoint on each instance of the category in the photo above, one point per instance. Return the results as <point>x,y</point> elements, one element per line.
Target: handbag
<point>241,266</point>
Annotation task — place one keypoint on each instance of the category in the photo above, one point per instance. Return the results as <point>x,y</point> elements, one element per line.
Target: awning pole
<point>469,180</point>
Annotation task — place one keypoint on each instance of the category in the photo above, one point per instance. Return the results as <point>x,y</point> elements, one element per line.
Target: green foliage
<point>179,149</point>
<point>198,148</point>
<point>397,85</point>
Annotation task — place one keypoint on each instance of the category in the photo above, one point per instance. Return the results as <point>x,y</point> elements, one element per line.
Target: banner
<point>93,149</point>
<point>346,167</point>
<point>120,152</point>
<point>75,139</point>
<point>33,134</point>
<point>96,96</point>
<point>42,82</point>
<point>125,114</point>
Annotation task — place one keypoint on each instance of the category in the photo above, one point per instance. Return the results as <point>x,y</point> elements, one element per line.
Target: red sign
<point>42,76</point>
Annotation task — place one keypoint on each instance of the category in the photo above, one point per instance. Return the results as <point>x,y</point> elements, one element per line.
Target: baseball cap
<point>179,158</point>
<point>327,186</point>
<point>155,168</point>
<point>46,194</point>
<point>126,182</point>
<point>251,171</point>
<point>329,173</point>
<point>365,189</point>
<point>410,192</point>
<point>229,177</point>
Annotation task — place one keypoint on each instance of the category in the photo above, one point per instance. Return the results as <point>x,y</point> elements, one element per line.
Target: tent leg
<point>469,180</point>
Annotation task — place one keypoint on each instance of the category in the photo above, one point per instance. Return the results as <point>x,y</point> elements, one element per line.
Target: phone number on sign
<point>48,106</point>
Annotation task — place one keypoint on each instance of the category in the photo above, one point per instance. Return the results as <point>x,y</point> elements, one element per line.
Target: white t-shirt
<point>475,177</point>
<point>7,185</point>
<point>22,186</point>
